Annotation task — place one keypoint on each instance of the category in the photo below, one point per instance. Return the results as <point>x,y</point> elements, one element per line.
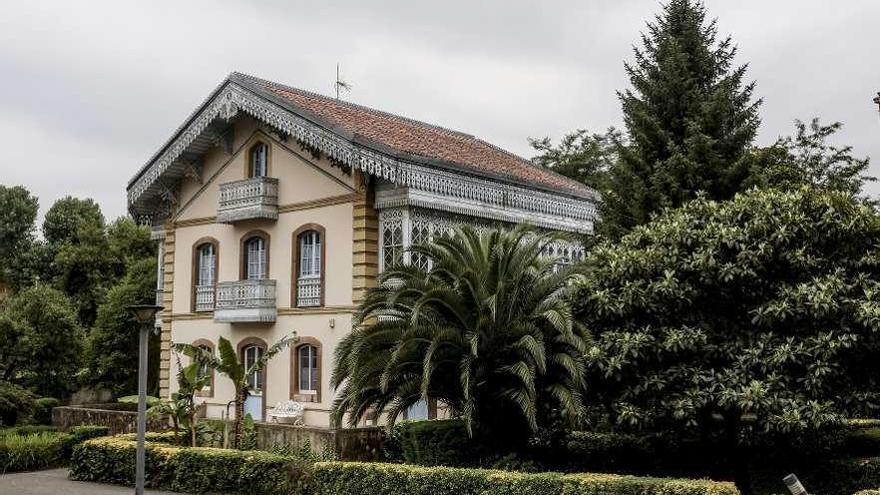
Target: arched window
<point>259,160</point>
<point>306,373</point>
<point>309,265</point>
<point>255,256</point>
<point>204,274</point>
<point>251,353</point>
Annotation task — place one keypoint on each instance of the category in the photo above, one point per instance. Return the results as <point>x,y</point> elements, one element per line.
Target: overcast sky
<point>89,90</point>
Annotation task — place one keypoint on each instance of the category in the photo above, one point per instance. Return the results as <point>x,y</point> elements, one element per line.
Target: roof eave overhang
<point>150,193</point>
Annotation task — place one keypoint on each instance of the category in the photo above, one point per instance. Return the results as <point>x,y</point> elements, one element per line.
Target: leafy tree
<point>16,403</point>
<point>487,331</point>
<point>129,242</point>
<point>68,216</point>
<point>18,210</point>
<point>42,340</point>
<point>114,339</point>
<point>581,156</point>
<point>808,159</point>
<point>689,116</point>
<point>228,364</point>
<point>745,318</point>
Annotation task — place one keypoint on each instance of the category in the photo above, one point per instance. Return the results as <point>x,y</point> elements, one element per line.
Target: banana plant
<point>227,363</point>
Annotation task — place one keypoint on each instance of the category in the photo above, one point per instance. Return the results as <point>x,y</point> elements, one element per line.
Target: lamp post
<point>144,314</point>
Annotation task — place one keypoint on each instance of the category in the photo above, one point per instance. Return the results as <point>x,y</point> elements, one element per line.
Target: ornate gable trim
<point>147,192</point>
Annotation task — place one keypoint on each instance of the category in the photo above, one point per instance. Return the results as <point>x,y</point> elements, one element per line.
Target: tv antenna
<point>340,84</point>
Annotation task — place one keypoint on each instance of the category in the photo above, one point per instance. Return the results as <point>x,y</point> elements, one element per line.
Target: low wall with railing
<point>113,416</point>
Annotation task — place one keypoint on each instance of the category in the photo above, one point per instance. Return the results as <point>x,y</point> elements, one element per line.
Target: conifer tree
<point>690,119</point>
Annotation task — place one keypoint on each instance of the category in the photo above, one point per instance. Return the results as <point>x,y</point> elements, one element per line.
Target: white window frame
<point>207,265</point>
<point>255,259</point>
<point>250,355</point>
<point>259,160</point>
<point>304,371</point>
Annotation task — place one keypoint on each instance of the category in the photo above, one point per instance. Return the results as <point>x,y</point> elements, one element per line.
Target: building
<point>276,208</point>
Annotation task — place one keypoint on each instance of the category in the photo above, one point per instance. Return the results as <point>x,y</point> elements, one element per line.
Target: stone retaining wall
<point>118,421</point>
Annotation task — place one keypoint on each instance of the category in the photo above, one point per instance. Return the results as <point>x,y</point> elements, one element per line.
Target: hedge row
<point>344,478</point>
<point>30,448</point>
<point>190,469</point>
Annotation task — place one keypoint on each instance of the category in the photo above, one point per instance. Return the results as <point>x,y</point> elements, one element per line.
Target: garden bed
<point>29,448</point>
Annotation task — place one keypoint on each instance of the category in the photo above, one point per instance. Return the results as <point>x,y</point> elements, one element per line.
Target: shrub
<point>33,451</point>
<point>863,442</point>
<point>190,469</point>
<point>595,450</point>
<point>437,443</point>
<point>25,430</point>
<point>43,410</point>
<point>868,492</point>
<point>857,423</point>
<point>79,434</point>
<point>343,478</point>
<point>16,403</point>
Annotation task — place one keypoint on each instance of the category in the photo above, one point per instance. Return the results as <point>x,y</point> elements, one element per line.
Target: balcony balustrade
<point>308,292</point>
<point>246,301</point>
<point>248,199</point>
<point>205,297</point>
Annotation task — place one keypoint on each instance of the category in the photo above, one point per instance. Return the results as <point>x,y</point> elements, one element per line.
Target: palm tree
<point>228,363</point>
<point>487,330</point>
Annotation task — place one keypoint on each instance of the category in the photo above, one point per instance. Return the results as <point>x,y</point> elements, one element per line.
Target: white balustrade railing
<point>205,297</point>
<point>246,294</point>
<point>308,291</point>
<point>256,197</point>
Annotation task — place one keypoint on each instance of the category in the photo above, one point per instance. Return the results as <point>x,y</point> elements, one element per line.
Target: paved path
<point>55,482</point>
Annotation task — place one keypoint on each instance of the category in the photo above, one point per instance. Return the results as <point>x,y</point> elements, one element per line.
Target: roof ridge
<point>356,106</point>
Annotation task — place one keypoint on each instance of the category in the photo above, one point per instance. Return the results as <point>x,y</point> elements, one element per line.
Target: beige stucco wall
<point>310,191</point>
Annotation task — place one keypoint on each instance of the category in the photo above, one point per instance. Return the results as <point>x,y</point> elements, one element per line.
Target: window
<point>259,160</point>
<point>392,243</point>
<point>204,274</point>
<point>309,266</point>
<point>305,370</point>
<point>251,354</point>
<point>256,265</point>
<point>307,357</point>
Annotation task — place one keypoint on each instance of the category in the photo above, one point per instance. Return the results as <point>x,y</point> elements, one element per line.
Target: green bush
<point>863,442</point>
<point>43,410</point>
<point>32,451</point>
<point>344,478</point>
<point>437,443</point>
<point>16,403</point>
<point>191,469</point>
<point>856,423</point>
<point>868,492</point>
<point>79,434</point>
<point>25,430</point>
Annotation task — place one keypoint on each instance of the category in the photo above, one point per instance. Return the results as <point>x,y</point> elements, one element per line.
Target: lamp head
<point>144,313</point>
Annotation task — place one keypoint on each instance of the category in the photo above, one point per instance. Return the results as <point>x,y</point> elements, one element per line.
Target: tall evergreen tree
<point>690,119</point>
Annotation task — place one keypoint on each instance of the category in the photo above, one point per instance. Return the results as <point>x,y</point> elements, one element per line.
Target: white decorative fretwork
<point>205,297</point>
<point>247,199</point>
<point>246,301</point>
<point>308,291</point>
<point>450,191</point>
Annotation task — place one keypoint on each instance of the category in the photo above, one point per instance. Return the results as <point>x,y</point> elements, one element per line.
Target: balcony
<point>248,199</point>
<point>308,292</point>
<point>246,301</point>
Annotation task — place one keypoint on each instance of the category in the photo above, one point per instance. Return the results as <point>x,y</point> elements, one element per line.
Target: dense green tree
<point>85,270</point>
<point>689,116</point>
<point>748,317</point>
<point>68,216</point>
<point>808,159</point>
<point>113,341</point>
<point>128,243</point>
<point>41,341</point>
<point>487,330</point>
<point>580,155</point>
<point>18,210</point>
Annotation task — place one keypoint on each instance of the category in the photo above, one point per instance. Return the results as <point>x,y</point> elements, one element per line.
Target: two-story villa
<point>275,209</point>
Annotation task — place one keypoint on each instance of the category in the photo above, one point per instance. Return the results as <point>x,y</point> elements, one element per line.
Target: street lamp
<point>145,315</point>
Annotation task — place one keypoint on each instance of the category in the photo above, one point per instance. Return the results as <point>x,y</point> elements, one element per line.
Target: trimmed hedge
<point>436,442</point>
<point>190,469</point>
<point>868,492</point>
<point>344,478</point>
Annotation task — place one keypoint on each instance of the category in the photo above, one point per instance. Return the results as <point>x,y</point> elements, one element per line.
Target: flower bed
<point>190,469</point>
<point>344,478</point>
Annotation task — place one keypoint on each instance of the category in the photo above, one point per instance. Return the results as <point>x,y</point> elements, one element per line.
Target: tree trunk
<point>241,395</point>
<point>192,424</point>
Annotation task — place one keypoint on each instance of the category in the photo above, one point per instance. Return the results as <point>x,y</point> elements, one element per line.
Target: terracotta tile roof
<point>420,139</point>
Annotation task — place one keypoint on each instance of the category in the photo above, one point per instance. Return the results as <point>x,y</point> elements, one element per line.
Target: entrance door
<point>253,405</point>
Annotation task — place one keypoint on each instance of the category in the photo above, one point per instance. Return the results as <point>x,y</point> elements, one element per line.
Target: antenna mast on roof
<point>340,84</point>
